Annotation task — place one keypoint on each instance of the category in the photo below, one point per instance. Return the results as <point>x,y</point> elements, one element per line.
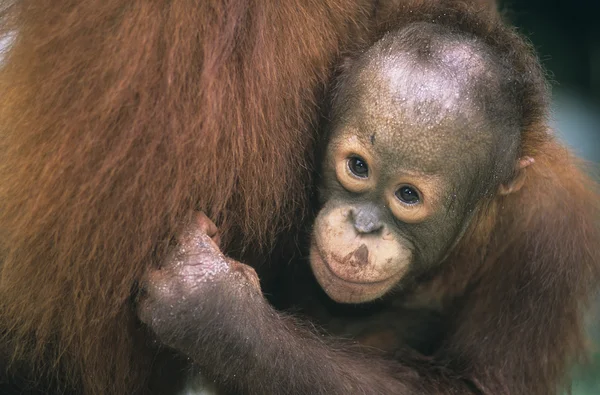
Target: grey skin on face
<point>415,146</point>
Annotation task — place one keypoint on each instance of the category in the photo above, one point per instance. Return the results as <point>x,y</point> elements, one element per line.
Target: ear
<point>519,179</point>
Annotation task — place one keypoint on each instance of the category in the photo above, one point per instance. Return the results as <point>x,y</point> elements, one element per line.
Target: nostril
<point>351,214</point>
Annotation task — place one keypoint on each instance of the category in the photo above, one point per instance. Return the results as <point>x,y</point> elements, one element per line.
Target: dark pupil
<point>358,167</point>
<point>408,195</point>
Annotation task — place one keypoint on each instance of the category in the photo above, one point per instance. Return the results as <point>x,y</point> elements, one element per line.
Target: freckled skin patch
<point>196,264</point>
<point>358,257</point>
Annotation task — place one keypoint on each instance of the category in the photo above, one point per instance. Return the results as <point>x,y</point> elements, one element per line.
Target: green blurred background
<point>566,35</point>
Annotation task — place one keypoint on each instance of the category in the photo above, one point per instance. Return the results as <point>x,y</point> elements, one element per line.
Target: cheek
<point>435,239</point>
<point>355,268</point>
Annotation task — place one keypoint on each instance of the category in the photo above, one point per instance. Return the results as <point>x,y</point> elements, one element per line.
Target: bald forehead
<point>432,66</point>
<point>423,94</point>
<point>415,114</point>
<point>400,88</point>
<point>427,45</point>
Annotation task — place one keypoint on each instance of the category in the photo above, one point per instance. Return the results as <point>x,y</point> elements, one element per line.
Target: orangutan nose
<point>366,220</point>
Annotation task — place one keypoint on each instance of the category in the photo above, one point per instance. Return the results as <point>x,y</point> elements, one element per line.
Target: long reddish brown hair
<point>118,119</point>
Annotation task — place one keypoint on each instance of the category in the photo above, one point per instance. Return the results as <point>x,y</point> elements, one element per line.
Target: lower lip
<point>325,264</point>
<point>344,291</point>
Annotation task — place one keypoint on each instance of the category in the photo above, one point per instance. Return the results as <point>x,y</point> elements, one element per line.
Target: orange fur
<point>530,265</point>
<point>119,118</point>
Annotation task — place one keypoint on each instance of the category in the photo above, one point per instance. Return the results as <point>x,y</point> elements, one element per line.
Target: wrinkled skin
<point>195,270</point>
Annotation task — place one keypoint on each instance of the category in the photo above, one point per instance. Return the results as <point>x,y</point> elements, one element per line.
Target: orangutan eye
<point>358,167</point>
<point>408,195</point>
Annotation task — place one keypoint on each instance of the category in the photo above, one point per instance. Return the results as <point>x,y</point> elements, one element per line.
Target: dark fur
<point>511,296</point>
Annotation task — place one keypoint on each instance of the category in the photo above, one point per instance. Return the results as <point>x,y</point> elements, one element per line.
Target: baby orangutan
<point>423,135</point>
<point>443,190</point>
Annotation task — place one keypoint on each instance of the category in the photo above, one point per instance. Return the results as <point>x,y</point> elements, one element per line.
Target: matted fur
<point>118,119</point>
